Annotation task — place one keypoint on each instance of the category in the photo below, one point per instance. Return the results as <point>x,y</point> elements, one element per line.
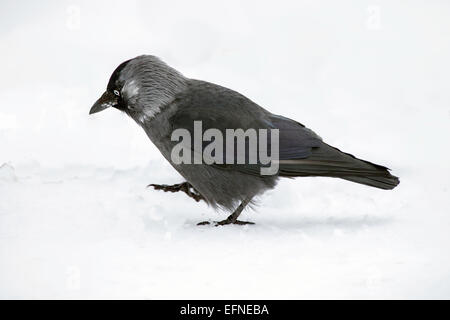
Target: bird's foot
<point>233,218</point>
<point>224,222</point>
<point>184,187</point>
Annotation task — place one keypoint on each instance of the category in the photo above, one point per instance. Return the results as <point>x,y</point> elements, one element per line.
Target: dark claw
<point>203,223</point>
<point>243,222</point>
<point>184,187</point>
<point>224,222</point>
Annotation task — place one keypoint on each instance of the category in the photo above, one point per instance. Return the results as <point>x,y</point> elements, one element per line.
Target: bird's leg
<point>185,187</point>
<point>232,219</point>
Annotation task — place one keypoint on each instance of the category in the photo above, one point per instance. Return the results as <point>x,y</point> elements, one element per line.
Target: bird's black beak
<point>107,100</point>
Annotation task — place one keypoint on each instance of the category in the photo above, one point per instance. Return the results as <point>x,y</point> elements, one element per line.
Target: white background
<point>370,77</point>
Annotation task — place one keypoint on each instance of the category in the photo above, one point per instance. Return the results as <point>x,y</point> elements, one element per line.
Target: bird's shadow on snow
<point>308,223</point>
<point>350,223</point>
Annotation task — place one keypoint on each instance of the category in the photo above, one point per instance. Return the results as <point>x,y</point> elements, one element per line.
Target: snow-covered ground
<point>76,218</point>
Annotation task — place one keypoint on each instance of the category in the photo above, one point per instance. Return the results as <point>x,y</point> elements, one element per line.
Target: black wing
<point>221,108</point>
<point>301,151</point>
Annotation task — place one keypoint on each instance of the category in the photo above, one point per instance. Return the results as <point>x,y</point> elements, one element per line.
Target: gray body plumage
<point>224,188</point>
<point>161,100</point>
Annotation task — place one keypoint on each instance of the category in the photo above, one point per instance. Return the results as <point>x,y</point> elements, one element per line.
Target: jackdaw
<point>161,100</point>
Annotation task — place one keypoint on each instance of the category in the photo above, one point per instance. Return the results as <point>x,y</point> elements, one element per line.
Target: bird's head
<point>141,87</point>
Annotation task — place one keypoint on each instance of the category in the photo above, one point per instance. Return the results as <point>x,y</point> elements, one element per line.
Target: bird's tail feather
<point>385,183</point>
<point>327,161</point>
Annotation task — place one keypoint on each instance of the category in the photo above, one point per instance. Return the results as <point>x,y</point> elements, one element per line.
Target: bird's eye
<point>117,93</point>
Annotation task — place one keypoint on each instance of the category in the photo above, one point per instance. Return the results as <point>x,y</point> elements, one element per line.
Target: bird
<point>162,100</point>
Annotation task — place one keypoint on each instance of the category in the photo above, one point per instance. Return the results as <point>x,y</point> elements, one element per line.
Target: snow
<point>76,218</point>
